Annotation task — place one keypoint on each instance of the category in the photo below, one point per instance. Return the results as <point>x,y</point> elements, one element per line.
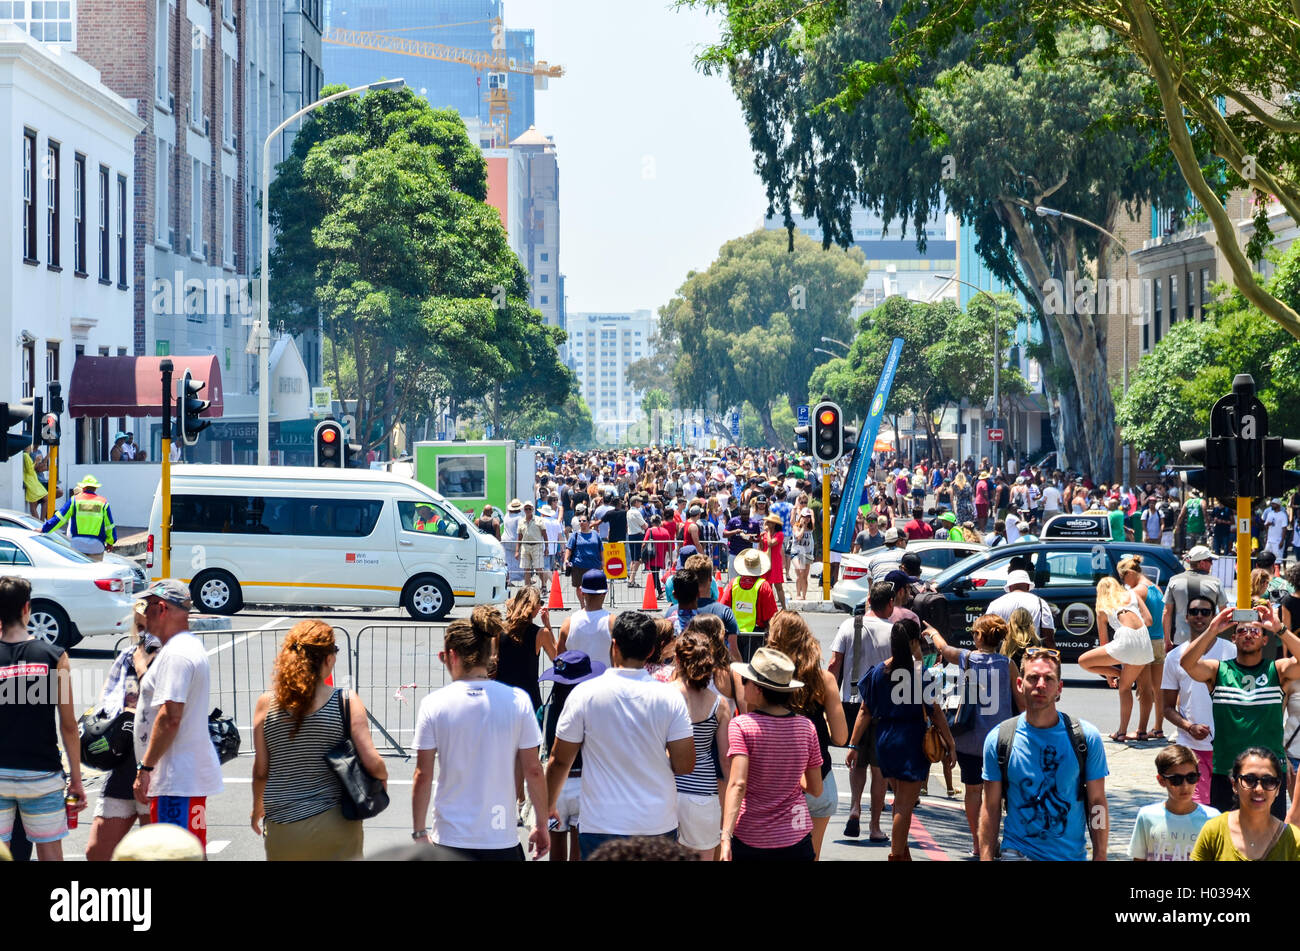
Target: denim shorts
<point>828,803</point>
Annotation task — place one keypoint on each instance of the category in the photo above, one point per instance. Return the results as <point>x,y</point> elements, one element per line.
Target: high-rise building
<point>459,24</point>
<point>601,348</point>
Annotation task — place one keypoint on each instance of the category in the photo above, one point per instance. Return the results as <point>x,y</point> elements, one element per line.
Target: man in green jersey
<point>1191,519</point>
<point>1249,694</point>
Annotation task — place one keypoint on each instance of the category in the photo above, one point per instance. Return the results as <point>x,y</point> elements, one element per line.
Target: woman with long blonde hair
<point>295,792</point>
<point>1125,650</point>
<point>818,700</point>
<point>1020,635</point>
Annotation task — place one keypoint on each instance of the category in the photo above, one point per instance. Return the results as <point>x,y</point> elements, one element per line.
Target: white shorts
<point>107,808</point>
<point>699,821</point>
<point>566,807</point>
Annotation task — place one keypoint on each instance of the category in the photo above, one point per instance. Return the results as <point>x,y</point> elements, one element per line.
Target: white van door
<point>429,541</point>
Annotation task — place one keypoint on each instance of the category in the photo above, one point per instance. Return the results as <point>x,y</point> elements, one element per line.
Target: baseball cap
<point>594,582</point>
<point>891,535</point>
<point>169,590</point>
<point>686,551</point>
<point>1199,553</point>
<point>899,579</point>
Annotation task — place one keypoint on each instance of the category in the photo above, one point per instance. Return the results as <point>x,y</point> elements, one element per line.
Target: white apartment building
<point>601,346</point>
<point>67,160</point>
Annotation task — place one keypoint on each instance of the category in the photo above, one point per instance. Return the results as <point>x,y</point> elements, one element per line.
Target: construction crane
<point>495,63</point>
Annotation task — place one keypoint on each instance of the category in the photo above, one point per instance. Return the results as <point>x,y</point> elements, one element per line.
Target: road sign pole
<point>826,531</point>
<point>165,490</point>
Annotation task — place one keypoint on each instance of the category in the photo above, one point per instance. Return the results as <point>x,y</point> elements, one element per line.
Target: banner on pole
<point>846,518</point>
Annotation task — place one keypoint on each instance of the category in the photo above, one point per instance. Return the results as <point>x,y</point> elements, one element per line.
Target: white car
<point>72,596</point>
<point>858,571</point>
<point>11,519</point>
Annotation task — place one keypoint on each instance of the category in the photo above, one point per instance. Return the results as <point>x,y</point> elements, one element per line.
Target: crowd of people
<point>710,732</point>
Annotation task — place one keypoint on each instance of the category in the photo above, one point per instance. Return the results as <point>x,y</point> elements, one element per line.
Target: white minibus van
<point>287,536</point>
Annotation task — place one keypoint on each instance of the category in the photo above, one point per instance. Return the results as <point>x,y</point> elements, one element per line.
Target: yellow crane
<point>495,63</point>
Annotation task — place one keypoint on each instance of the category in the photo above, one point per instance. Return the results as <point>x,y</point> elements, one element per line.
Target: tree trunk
<point>769,433</point>
<point>496,410</point>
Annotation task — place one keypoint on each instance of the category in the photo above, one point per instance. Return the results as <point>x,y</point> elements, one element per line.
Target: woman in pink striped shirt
<point>774,760</point>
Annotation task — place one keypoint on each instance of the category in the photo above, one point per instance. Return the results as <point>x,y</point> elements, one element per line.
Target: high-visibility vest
<point>90,518</point>
<point>744,604</point>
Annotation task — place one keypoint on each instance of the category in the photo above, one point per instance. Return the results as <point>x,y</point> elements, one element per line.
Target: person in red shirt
<point>753,608</point>
<point>917,529</point>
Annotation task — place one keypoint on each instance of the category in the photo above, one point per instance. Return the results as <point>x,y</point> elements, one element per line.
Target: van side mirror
<point>962,586</point>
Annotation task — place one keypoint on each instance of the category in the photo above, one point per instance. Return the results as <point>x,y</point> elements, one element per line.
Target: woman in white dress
<point>1122,619</point>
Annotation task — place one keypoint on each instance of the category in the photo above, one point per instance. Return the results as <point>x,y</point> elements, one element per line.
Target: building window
<point>1173,299</point>
<point>121,231</point>
<point>1151,333</point>
<point>103,225</point>
<point>546,256</point>
<point>227,100</point>
<point>29,195</point>
<point>1190,300</point>
<point>196,208</point>
<point>162,209</point>
<point>196,77</point>
<point>546,278</point>
<point>545,299</point>
<point>53,206</point>
<point>49,21</point>
<point>1205,289</point>
<point>162,30</point>
<point>51,361</point>
<point>228,221</point>
<point>79,214</point>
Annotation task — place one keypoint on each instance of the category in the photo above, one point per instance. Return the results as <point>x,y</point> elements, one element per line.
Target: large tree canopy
<point>383,228</point>
<point>747,326</point>
<point>989,143</point>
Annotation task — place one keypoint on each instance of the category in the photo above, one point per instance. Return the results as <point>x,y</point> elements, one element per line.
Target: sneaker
<point>852,828</point>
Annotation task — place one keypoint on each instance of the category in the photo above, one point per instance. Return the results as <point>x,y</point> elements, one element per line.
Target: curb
<point>815,607</point>
<point>209,622</point>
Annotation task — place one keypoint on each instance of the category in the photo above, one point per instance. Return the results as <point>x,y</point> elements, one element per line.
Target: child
<point>1166,831</point>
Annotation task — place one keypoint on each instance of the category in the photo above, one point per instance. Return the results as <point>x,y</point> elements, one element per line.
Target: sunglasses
<point>1251,780</point>
<point>1200,612</point>
<point>1179,779</point>
<point>1042,652</point>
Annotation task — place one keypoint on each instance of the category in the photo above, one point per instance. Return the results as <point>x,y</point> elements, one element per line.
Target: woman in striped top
<point>700,653</point>
<point>294,789</point>
<point>774,760</point>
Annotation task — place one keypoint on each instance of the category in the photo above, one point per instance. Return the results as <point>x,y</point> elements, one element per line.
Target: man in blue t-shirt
<point>1046,821</point>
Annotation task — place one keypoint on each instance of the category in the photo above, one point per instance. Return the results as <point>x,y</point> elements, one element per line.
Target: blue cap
<point>594,582</point>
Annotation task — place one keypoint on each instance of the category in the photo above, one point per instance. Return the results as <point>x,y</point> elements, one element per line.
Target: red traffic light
<point>826,417</point>
<point>329,435</point>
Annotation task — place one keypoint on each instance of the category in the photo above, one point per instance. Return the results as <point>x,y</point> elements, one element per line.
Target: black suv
<point>1065,575</point>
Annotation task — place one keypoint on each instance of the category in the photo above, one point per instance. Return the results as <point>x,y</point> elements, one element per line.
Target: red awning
<point>132,386</point>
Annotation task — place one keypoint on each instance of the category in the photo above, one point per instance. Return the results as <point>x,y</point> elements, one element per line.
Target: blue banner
<point>846,519</point>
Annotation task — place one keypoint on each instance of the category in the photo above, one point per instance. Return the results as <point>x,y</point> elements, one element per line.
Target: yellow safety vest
<point>744,604</point>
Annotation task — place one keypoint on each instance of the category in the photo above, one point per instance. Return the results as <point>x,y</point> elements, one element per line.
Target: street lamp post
<point>1044,212</point>
<point>833,340</point>
<point>264,328</point>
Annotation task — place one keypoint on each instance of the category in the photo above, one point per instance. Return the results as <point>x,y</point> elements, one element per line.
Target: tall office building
<point>460,24</point>
<point>601,348</point>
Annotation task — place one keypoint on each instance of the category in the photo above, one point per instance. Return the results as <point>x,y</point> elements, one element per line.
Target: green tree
<point>383,230</point>
<point>1174,387</point>
<point>749,323</point>
<point>989,143</point>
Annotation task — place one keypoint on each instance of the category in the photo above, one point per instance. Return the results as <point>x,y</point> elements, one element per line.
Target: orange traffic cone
<point>649,602</point>
<point>556,601</point>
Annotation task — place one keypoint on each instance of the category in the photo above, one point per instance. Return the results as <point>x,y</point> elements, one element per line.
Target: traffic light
<point>351,454</point>
<point>329,445</point>
<point>14,414</point>
<point>188,409</point>
<point>50,429</point>
<point>803,440</point>
<point>1218,479</point>
<point>849,439</point>
<point>1278,480</point>
<point>828,432</point>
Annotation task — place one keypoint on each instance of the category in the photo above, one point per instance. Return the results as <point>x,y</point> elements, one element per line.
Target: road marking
<point>933,851</point>
<point>217,846</point>
<point>239,640</point>
<point>244,780</point>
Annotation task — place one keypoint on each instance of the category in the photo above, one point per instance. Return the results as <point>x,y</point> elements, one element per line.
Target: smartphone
<point>1245,615</point>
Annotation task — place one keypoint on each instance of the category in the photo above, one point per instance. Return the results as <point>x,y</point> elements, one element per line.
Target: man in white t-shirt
<point>1188,705</point>
<point>854,652</point>
<point>1020,594</point>
<point>1013,527</point>
<point>1275,525</point>
<point>177,766</point>
<point>1051,500</point>
<point>480,732</point>
<point>622,721</point>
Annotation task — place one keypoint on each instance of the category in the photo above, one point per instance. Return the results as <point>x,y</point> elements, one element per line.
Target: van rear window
<point>271,515</point>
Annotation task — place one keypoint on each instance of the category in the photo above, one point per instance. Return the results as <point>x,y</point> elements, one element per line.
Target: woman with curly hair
<point>295,792</point>
<point>700,654</point>
<point>818,700</point>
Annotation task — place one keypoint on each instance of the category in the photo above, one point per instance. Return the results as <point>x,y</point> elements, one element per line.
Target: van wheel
<point>216,592</point>
<point>50,623</point>
<point>427,598</point>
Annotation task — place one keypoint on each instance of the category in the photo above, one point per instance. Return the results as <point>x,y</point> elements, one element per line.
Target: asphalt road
<point>394,664</point>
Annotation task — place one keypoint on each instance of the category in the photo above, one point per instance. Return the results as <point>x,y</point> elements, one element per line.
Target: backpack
<point>1007,735</point>
<point>932,608</point>
<point>958,709</point>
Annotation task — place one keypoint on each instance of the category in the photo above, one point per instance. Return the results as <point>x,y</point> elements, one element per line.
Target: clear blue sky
<point>655,166</point>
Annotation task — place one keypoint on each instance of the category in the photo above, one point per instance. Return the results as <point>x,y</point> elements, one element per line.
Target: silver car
<point>12,519</point>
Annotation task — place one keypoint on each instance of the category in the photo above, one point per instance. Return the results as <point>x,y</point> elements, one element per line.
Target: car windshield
<point>60,546</point>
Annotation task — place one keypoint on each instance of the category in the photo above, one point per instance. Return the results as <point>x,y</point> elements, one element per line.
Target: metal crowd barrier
<point>396,667</point>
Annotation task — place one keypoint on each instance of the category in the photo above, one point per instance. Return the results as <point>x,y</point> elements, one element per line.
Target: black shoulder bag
<point>364,797</point>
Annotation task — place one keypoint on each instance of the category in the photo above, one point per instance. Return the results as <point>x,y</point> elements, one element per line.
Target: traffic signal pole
<point>165,527</point>
<point>826,531</point>
<point>1243,552</point>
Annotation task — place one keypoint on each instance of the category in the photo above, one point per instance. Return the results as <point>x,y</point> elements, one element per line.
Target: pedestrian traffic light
<point>329,445</point>
<point>1218,478</point>
<point>188,409</point>
<point>1278,480</point>
<point>54,392</point>
<point>828,432</point>
<point>14,414</point>
<point>50,429</point>
<point>803,440</point>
